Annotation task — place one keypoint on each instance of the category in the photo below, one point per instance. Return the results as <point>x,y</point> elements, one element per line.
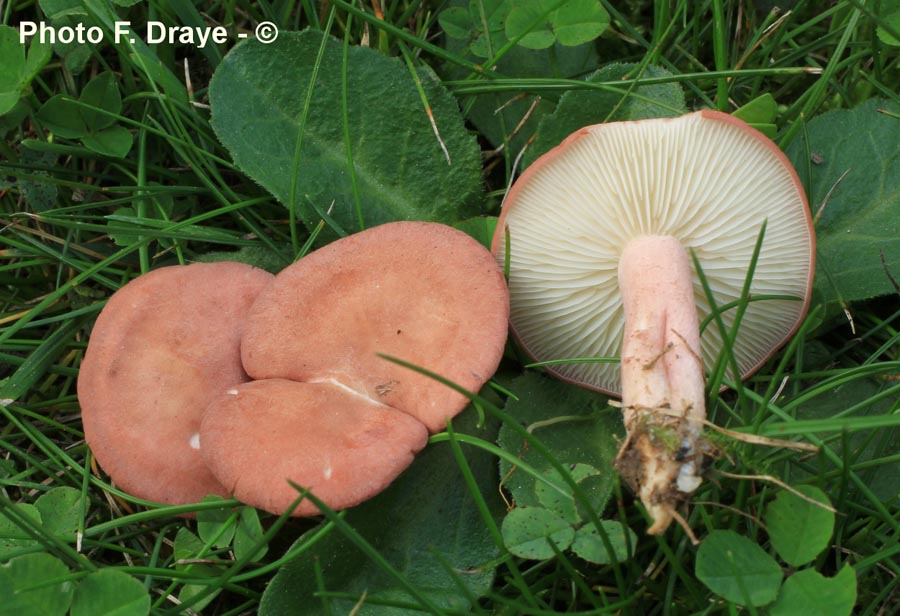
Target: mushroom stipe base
<point>658,435</point>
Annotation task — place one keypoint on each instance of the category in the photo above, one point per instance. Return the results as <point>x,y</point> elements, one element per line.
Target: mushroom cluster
<point>598,234</point>
<point>219,378</point>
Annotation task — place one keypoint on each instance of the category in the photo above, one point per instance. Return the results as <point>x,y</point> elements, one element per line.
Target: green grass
<point>65,246</point>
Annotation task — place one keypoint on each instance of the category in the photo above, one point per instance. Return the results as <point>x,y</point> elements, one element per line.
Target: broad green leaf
<point>580,108</point>
<point>12,67</point>
<point>574,424</point>
<point>883,479</point>
<point>532,532</point>
<point>544,22</point>
<point>248,536</point>
<point>761,110</point>
<point>579,21</point>
<point>852,158</point>
<point>798,529</point>
<point>257,256</point>
<point>13,538</point>
<point>121,239</point>
<point>889,26</point>
<point>101,92</point>
<point>455,22</point>
<point>809,593</point>
<point>14,117</point>
<point>258,94</point>
<point>760,113</point>
<point>189,591</point>
<point>488,18</point>
<point>63,13</point>
<point>108,592</point>
<point>60,511</point>
<point>589,544</point>
<point>508,119</point>
<point>737,569</point>
<point>24,589</point>
<point>529,22</point>
<point>38,56</point>
<point>216,526</point>
<point>481,228</point>
<point>189,547</point>
<point>558,496</point>
<point>62,117</point>
<point>114,141</point>
<point>57,9</point>
<point>426,526</point>
<point>75,57</point>
<point>8,101</point>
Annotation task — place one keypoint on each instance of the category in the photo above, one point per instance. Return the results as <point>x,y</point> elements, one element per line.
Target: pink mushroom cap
<point>425,293</point>
<point>342,447</point>
<point>164,345</point>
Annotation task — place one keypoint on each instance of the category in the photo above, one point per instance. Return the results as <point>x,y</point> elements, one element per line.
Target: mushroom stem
<point>662,377</point>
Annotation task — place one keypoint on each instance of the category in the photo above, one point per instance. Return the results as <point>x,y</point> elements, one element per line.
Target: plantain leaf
<point>399,169</point>
<point>850,164</point>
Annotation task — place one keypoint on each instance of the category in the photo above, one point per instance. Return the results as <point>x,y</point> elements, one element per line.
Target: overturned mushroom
<point>164,345</point>
<point>599,235</point>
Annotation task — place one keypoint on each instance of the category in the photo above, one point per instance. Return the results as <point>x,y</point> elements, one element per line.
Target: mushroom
<point>423,292</point>
<point>164,345</point>
<point>598,234</point>
<point>342,447</point>
<point>327,411</point>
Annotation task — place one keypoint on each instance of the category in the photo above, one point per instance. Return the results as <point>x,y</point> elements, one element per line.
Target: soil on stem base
<point>662,377</point>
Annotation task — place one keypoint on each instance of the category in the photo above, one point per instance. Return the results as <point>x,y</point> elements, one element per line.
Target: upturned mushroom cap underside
<point>340,446</point>
<point>706,179</point>
<point>424,293</point>
<point>165,344</point>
